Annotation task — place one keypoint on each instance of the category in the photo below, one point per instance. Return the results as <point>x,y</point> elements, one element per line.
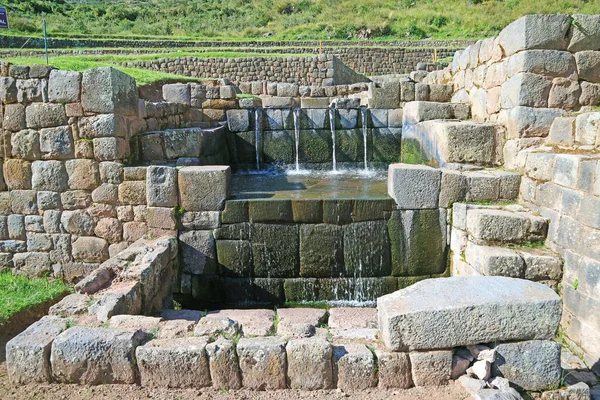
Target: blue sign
<point>3,19</point>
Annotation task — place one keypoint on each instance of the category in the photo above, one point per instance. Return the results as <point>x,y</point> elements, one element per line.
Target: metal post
<point>45,42</point>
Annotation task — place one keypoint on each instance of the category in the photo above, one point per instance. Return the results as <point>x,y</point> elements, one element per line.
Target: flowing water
<point>332,125</point>
<point>297,136</point>
<point>364,112</point>
<point>257,134</point>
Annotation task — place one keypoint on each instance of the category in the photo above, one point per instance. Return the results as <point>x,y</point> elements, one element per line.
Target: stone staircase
<point>498,240</point>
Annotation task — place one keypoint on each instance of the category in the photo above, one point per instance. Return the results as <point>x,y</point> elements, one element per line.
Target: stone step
<point>420,186</point>
<point>440,142</point>
<point>419,111</point>
<point>448,312</point>
<point>499,224</point>
<point>536,264</point>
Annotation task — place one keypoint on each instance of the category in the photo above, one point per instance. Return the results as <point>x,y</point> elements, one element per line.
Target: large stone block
<point>537,31</point>
<point>321,250</point>
<point>531,365</point>
<point>585,33</point>
<point>90,249</point>
<point>238,120</point>
<point>177,93</point>
<point>263,363</point>
<point>431,368</point>
<point>103,125</point>
<point>174,363</point>
<point>45,115</point>
<point>161,186</point>
<point>366,249</point>
<point>525,89</point>
<point>458,311</point>
<point>106,90</point>
<point>495,261</point>
<point>224,366</point>
<point>354,367</point>
<point>95,356</point>
<point>64,86</point>
<point>198,254</point>
<point>56,143</point>
<point>310,364</point>
<point>588,65</point>
<point>235,257</point>
<point>527,122</point>
<point>24,201</point>
<point>132,192</point>
<point>17,173</point>
<point>418,111</point>
<point>83,174</point>
<point>28,353</point>
<point>550,63</point>
<point>417,242</point>
<point>276,250</point>
<point>414,186</point>
<point>394,370</point>
<point>14,117</point>
<point>565,94</point>
<point>204,188</point>
<point>25,144</point>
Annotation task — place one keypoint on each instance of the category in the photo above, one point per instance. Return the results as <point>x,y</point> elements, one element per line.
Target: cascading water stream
<point>332,125</point>
<point>364,111</point>
<point>297,136</point>
<point>257,134</point>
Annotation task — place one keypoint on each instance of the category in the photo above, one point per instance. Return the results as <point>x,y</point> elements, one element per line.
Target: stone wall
<point>537,79</point>
<point>319,70</point>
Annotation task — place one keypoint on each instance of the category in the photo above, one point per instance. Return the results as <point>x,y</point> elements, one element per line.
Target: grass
<point>277,19</point>
<point>142,76</point>
<point>18,293</point>
<point>307,304</point>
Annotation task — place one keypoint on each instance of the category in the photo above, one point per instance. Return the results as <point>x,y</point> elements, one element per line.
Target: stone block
<point>585,33</point>
<point>8,90</point>
<point>386,145</point>
<point>24,202</point>
<point>234,257</point>
<point>590,94</point>
<point>394,370</point>
<point>198,253</point>
<point>14,117</point>
<point>565,171</point>
<point>314,118</point>
<point>352,318</point>
<point>417,242</point>
<point>45,115</point>
<point>588,65</point>
<point>431,368</point>
<point>204,188</point>
<point>110,149</point>
<point>278,147</point>
<point>263,363</point>
<point>562,131</point>
<point>83,174</point>
<point>549,63</point>
<point>453,188</point>
<point>366,249</point>
<point>525,89</point>
<point>354,367</point>
<point>405,323</point>
<point>586,127</point>
<point>307,211</point>
<point>223,362</point>
<point>414,186</point>
<point>28,353</point>
<point>530,365</point>
<point>64,86</point>
<point>132,192</point>
<point>315,146</point>
<point>309,364</point>
<point>387,96</point>
<point>321,250</point>
<point>82,355</point>
<point>90,249</point>
<point>31,90</point>
<point>103,125</point>
<point>527,122</point>
<point>25,144</point>
<point>161,186</point>
<point>106,90</point>
<point>56,143</point>
<point>418,111</point>
<point>17,173</point>
<point>564,94</point>
<point>275,250</point>
<point>177,93</point>
<point>174,363</point>
<point>495,261</point>
<point>238,120</point>
<point>280,102</point>
<point>548,31</point>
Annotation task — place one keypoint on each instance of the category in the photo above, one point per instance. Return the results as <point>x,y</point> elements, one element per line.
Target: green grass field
<point>284,19</point>
<point>18,293</point>
<point>142,77</point>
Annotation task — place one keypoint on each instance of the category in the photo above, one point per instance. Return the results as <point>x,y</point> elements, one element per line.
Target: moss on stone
<point>321,250</point>
<point>413,153</point>
<point>307,211</point>
<point>337,212</point>
<point>234,257</point>
<point>349,145</point>
<point>366,249</point>
<point>270,210</point>
<point>301,289</point>
<point>369,210</point>
<point>235,211</point>
<point>417,241</point>
<point>278,147</point>
<point>239,231</point>
<point>386,145</point>
<point>406,281</point>
<point>275,249</point>
<point>315,146</point>
<point>245,150</point>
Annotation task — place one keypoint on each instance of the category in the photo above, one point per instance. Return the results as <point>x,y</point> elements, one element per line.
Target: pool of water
<point>310,184</point>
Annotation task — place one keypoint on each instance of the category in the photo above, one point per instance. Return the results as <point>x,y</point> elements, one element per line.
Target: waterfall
<point>297,136</point>
<point>332,125</point>
<point>257,132</point>
<point>364,112</point>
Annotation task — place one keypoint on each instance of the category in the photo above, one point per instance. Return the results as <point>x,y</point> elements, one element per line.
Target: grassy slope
<point>17,293</point>
<point>288,19</point>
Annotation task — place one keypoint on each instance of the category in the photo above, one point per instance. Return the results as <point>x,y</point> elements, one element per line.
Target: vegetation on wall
<point>280,19</point>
